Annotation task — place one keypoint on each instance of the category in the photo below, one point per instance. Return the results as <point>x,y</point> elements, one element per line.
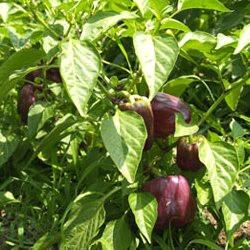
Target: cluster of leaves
<point>71,178</point>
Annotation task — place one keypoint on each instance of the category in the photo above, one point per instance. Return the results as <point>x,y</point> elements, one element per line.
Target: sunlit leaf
<point>157,56</point>
<point>124,136</point>
<point>100,23</point>
<point>221,161</point>
<point>80,66</point>
<point>144,208</point>
<point>235,210</point>
<point>202,4</point>
<point>244,39</point>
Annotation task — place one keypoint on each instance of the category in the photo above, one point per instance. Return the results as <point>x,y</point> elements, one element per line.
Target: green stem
<point>219,100</point>
<point>114,190</point>
<point>175,13</point>
<point>117,66</point>
<point>105,91</point>
<point>125,55</point>
<point>244,169</point>
<point>42,22</point>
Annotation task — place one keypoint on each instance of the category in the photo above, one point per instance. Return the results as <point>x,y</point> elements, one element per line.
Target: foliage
<point>72,173</point>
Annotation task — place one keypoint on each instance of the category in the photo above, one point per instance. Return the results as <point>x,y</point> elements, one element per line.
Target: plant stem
<point>42,22</point>
<point>105,91</point>
<point>117,66</point>
<point>219,100</point>
<point>114,190</point>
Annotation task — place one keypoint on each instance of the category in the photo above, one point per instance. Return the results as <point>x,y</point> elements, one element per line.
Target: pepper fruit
<point>187,156</point>
<point>176,204</point>
<point>32,75</point>
<point>53,74</point>
<point>27,98</point>
<point>141,105</point>
<point>164,107</point>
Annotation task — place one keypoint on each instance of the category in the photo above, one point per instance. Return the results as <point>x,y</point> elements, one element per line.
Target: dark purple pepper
<point>164,107</point>
<point>32,75</point>
<point>53,75</point>
<point>187,157</point>
<point>26,99</point>
<point>141,105</point>
<point>176,204</point>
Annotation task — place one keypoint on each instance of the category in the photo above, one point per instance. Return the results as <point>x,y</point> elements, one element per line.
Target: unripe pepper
<point>164,107</point>
<point>26,99</point>
<point>187,156</point>
<point>141,105</point>
<point>176,204</point>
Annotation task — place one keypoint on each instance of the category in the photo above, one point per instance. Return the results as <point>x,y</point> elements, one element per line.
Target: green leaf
<point>244,39</point>
<point>223,41</point>
<point>169,23</point>
<point>144,208</point>
<point>46,241</point>
<point>8,145</point>
<point>151,6</point>
<point>182,128</point>
<point>4,11</point>
<point>38,115</point>
<point>202,4</point>
<point>157,56</point>
<point>124,136</point>
<point>211,245</point>
<point>7,198</point>
<point>220,159</point>
<point>80,66</point>
<point>117,235</point>
<point>235,210</point>
<point>178,85</point>
<point>233,97</point>
<point>19,61</point>
<point>204,192</point>
<point>198,40</point>
<point>86,216</point>
<point>54,136</point>
<point>237,129</point>
<point>101,22</point>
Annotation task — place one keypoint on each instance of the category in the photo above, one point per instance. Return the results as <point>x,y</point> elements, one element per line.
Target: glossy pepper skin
<point>187,157</point>
<point>141,106</point>
<point>164,107</point>
<point>54,75</point>
<point>176,204</point>
<point>26,99</point>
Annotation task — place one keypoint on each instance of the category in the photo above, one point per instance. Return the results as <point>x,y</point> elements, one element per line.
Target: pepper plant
<point>102,102</point>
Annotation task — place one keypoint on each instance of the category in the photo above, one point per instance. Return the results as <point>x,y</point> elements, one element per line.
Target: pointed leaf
<point>198,40</point>
<point>235,210</point>
<point>8,145</point>
<point>169,23</point>
<point>19,61</point>
<point>113,235</point>
<point>220,159</point>
<point>182,128</point>
<point>202,4</point>
<point>54,136</point>
<point>80,66</point>
<point>157,56</point>
<point>100,23</point>
<point>144,208</point>
<point>233,97</point>
<point>85,218</point>
<point>223,41</point>
<point>244,39</point>
<point>124,136</point>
